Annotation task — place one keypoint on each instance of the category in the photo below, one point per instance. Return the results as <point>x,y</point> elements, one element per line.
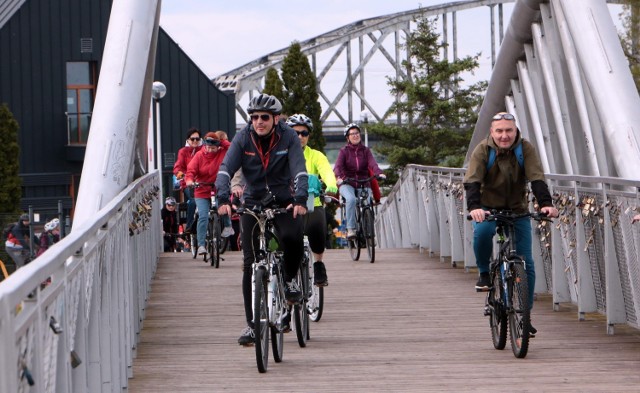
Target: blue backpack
<point>517,151</point>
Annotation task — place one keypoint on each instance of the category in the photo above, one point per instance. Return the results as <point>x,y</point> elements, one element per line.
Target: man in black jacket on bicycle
<point>269,154</point>
<point>503,185</point>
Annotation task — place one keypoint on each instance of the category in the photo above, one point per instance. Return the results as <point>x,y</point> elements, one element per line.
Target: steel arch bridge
<point>375,39</point>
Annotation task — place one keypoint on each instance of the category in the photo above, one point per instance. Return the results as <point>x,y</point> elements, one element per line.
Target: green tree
<point>630,37</point>
<point>273,84</point>
<point>438,114</point>
<point>10,190</point>
<point>301,92</point>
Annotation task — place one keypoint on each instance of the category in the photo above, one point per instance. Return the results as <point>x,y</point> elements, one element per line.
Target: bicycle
<point>214,242</point>
<point>269,303</point>
<point>365,219</point>
<point>304,309</point>
<point>507,303</point>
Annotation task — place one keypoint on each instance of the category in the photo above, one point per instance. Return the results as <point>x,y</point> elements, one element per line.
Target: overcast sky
<point>220,36</point>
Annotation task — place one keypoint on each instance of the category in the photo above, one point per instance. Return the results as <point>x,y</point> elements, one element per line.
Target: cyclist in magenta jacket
<point>354,161</point>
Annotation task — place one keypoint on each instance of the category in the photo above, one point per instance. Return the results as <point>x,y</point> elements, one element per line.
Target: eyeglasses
<point>303,133</point>
<point>263,117</point>
<point>196,139</point>
<point>353,133</point>
<point>505,116</point>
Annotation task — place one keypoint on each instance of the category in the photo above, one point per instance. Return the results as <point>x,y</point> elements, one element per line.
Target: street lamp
<point>364,119</point>
<point>157,92</point>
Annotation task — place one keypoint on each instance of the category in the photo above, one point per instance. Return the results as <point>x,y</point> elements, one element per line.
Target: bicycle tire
<point>214,248</point>
<point>261,319</point>
<point>369,233</point>
<point>224,244</point>
<point>300,314</point>
<point>497,312</point>
<point>519,315</point>
<point>315,303</point>
<point>194,245</point>
<point>277,312</point>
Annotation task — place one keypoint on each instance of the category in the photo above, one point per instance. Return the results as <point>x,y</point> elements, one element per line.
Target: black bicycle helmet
<point>300,120</point>
<point>265,103</point>
<point>350,126</point>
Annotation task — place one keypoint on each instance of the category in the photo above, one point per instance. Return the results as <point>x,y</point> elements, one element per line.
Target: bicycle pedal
<point>487,312</point>
<point>482,289</point>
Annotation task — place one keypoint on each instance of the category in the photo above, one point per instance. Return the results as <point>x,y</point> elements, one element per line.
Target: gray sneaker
<point>247,337</point>
<point>202,250</point>
<point>228,231</point>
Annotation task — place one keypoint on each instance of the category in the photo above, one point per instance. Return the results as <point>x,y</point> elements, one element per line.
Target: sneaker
<point>247,337</point>
<point>351,233</point>
<point>202,250</point>
<point>320,274</point>
<point>286,322</point>
<point>484,282</point>
<point>228,231</point>
<point>292,292</point>
<point>532,331</point>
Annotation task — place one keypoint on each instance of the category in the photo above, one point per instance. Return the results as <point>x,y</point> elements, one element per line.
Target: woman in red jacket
<point>203,169</point>
<point>185,155</point>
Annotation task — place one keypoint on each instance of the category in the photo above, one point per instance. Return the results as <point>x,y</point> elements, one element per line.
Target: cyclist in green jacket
<point>316,221</point>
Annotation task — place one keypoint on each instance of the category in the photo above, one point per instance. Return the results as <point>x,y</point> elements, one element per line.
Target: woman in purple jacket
<point>354,161</point>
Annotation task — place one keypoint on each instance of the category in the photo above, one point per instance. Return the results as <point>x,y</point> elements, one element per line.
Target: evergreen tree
<point>273,84</point>
<point>630,37</point>
<point>301,93</point>
<point>11,191</point>
<point>437,112</point>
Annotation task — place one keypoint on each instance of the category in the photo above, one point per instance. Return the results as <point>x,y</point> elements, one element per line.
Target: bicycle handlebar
<point>506,216</point>
<point>368,179</point>
<point>196,184</point>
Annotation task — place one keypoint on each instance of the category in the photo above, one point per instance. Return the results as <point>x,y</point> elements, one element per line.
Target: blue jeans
<point>349,195</point>
<point>204,204</point>
<point>483,248</point>
<point>191,206</point>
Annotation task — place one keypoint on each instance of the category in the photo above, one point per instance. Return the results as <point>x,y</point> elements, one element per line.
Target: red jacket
<point>185,155</point>
<point>357,162</point>
<point>204,167</point>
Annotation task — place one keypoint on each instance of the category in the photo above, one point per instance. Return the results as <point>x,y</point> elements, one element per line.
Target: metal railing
<point>593,244</point>
<point>70,320</point>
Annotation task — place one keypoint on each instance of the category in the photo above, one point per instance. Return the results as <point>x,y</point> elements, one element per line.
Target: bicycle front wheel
<point>315,302</point>
<point>261,319</point>
<point>497,312</point>
<point>214,242</point>
<point>194,245</point>
<point>354,248</point>
<point>369,233</point>
<point>519,315</point>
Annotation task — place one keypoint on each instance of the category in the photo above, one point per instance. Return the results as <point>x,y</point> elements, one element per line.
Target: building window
<point>81,89</point>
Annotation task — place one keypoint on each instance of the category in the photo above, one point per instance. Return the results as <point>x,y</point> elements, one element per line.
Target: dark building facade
<point>50,58</point>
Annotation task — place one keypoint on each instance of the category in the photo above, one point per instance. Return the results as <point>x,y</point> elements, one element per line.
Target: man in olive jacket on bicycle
<point>270,156</point>
<point>502,184</point>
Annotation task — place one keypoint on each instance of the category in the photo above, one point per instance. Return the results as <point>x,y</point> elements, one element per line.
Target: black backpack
<point>7,230</point>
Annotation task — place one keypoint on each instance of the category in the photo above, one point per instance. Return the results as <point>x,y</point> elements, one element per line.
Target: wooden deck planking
<point>407,323</point>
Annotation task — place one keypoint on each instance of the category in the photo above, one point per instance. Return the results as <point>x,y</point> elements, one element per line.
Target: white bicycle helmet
<point>350,126</point>
<point>300,120</point>
<point>51,225</point>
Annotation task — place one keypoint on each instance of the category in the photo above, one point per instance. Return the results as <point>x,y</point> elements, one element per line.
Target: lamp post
<point>364,119</point>
<point>157,92</point>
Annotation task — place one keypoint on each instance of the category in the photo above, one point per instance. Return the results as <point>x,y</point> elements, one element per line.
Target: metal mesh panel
<point>567,222</point>
<point>593,230</point>
<point>623,238</point>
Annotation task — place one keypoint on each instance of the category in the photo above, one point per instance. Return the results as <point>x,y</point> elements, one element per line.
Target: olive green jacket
<point>504,185</point>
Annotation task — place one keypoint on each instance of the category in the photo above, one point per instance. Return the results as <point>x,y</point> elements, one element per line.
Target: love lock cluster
<point>141,214</point>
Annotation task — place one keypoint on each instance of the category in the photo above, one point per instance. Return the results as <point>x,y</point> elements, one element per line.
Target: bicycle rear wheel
<point>300,310</point>
<point>369,233</point>
<point>519,315</point>
<point>194,245</point>
<point>315,303</point>
<point>497,312</point>
<point>261,319</point>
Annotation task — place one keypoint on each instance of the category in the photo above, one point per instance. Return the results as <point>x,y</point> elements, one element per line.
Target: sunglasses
<point>505,116</point>
<point>196,139</point>
<point>263,117</point>
<point>303,133</point>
